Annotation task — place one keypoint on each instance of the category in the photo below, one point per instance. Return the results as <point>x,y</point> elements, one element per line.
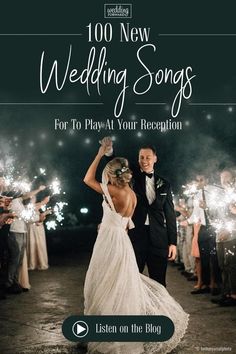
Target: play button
<point>80,329</point>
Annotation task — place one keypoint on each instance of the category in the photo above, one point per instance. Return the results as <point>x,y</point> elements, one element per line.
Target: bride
<point>113,284</point>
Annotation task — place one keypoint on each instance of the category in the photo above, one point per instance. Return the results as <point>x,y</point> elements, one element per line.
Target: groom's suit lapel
<point>159,185</point>
<point>142,184</point>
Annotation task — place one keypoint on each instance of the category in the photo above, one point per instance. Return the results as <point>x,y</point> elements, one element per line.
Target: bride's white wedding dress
<point>114,286</point>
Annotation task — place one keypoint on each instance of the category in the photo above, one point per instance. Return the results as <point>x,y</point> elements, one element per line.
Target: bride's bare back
<point>124,200</point>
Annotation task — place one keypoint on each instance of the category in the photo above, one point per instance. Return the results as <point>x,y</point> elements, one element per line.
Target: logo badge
<point>117,10</point>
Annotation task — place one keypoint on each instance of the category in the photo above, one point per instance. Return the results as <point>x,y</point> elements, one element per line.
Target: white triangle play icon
<point>80,329</point>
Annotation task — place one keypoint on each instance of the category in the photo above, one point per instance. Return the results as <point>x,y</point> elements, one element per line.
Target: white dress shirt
<point>19,225</point>
<point>150,193</point>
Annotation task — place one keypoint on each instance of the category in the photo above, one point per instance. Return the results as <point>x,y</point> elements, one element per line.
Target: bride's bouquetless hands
<point>102,150</point>
<point>107,141</point>
<point>108,144</point>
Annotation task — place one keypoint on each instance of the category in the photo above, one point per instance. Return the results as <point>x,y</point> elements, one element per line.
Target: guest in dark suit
<point>154,235</point>
<point>5,219</point>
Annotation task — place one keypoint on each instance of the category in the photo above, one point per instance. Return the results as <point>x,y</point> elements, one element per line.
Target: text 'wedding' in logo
<point>117,10</point>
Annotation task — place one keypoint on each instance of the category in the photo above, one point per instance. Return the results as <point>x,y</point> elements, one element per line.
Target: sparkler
<point>216,200</point>
<point>51,225</point>
<point>218,203</point>
<point>8,180</point>
<point>57,210</point>
<point>229,252</point>
<point>15,181</point>
<point>16,185</point>
<point>43,207</point>
<point>230,196</point>
<point>221,199</point>
<point>55,187</point>
<point>190,189</point>
<point>22,186</point>
<point>29,213</point>
<point>42,171</point>
<point>7,164</point>
<point>228,225</point>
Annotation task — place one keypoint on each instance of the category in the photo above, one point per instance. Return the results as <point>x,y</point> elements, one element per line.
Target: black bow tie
<point>148,174</point>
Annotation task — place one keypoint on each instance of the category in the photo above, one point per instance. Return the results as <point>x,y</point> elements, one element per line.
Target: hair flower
<point>119,171</point>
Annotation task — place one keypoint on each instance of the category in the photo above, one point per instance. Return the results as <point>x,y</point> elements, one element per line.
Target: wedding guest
<point>180,238</point>
<point>203,213</point>
<point>226,243</point>
<point>193,222</point>
<point>36,241</point>
<point>23,278</point>
<point>17,241</point>
<point>189,240</point>
<point>185,209</point>
<point>5,219</point>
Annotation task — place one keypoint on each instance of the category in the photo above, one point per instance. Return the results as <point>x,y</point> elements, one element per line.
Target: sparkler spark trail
<point>57,210</point>
<point>190,189</point>
<point>43,207</point>
<point>29,213</point>
<point>55,187</point>
<point>42,171</point>
<point>22,186</point>
<point>15,182</point>
<point>51,225</point>
<point>225,226</point>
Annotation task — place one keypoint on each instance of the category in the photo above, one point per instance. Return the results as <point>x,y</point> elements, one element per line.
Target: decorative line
<point>151,103</point>
<point>213,104</point>
<point>47,103</point>
<point>197,34</point>
<point>41,34</point>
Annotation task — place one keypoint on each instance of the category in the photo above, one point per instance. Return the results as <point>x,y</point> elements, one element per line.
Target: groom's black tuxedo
<point>150,242</point>
<point>162,218</point>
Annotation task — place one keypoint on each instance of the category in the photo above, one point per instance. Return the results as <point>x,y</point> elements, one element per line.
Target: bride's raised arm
<point>90,177</point>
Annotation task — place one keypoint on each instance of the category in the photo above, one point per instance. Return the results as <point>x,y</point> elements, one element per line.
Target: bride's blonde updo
<point>118,171</point>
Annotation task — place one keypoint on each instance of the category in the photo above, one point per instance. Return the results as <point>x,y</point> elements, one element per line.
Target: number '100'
<point>100,32</point>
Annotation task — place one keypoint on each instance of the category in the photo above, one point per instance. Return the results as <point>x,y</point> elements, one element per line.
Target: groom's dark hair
<point>149,146</point>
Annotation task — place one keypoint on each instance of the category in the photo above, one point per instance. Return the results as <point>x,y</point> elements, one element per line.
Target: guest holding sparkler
<point>226,241</point>
<point>36,240</point>
<point>180,209</point>
<point>184,207</point>
<point>5,219</point>
<point>17,238</point>
<point>191,191</point>
<point>204,212</point>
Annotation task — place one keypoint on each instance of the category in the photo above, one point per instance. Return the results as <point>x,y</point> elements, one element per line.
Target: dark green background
<point>203,144</point>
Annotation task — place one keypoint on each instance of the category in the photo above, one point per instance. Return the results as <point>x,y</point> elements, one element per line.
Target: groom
<point>154,235</point>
